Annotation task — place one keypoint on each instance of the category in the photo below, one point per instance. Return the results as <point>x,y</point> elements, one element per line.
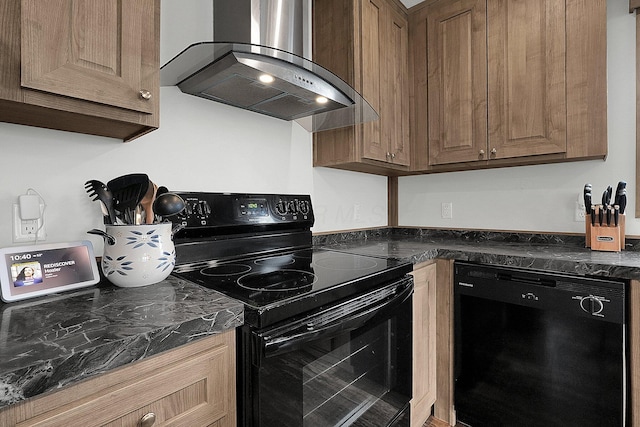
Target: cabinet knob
<point>145,94</point>
<point>393,155</point>
<point>147,420</point>
<point>494,151</point>
<point>388,154</point>
<point>481,153</point>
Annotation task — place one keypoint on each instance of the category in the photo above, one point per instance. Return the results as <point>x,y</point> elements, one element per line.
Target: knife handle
<point>601,215</point>
<point>593,216</point>
<point>608,216</point>
<point>622,200</point>
<point>616,215</point>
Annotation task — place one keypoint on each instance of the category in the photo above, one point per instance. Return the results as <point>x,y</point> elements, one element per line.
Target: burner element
<point>345,263</point>
<point>277,281</point>
<point>225,270</point>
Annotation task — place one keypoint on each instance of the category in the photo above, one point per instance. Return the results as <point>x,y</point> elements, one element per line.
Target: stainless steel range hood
<point>256,62</point>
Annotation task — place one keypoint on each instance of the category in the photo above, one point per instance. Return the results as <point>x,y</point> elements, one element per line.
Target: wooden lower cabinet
<point>424,342</point>
<point>193,385</point>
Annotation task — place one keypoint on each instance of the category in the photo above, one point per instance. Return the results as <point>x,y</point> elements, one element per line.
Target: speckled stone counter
<point>50,342</point>
<point>556,253</point>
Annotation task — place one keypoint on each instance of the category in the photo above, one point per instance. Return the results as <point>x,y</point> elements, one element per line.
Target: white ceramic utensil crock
<point>142,254</point>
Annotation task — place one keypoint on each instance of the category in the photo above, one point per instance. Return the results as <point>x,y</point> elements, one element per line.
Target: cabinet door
<point>98,51</point>
<point>395,117</point>
<point>527,87</point>
<point>424,344</point>
<point>373,75</point>
<point>457,81</point>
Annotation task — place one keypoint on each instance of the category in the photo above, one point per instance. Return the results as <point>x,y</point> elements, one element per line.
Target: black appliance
<point>327,335</point>
<point>538,349</point>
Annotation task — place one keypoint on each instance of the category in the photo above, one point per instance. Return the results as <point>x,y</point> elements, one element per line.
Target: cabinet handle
<point>393,155</point>
<point>145,94</point>
<point>388,154</point>
<point>481,153</point>
<point>494,151</point>
<point>147,420</point>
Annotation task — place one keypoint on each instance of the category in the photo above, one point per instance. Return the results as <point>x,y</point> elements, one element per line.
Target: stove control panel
<point>219,210</point>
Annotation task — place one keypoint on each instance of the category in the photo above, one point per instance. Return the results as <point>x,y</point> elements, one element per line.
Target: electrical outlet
<point>25,230</point>
<point>579,212</point>
<point>447,210</point>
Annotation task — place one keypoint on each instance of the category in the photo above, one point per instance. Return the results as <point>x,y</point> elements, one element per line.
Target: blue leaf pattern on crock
<point>167,260</point>
<point>139,239</point>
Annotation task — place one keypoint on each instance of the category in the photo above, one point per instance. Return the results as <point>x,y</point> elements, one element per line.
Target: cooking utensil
<point>99,191</point>
<point>128,191</point>
<point>107,237</point>
<point>147,203</point>
<point>168,204</point>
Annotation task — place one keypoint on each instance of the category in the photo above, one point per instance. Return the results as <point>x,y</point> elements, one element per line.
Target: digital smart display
<point>38,270</point>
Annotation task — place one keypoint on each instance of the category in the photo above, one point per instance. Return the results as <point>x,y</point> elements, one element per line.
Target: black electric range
<point>257,248</point>
<point>327,335</point>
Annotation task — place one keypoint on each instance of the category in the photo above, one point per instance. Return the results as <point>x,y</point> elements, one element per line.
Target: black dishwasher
<point>534,348</point>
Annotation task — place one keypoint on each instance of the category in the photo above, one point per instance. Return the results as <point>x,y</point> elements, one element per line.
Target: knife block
<point>603,237</point>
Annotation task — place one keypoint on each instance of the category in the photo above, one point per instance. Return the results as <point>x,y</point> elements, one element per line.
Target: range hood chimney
<point>256,62</point>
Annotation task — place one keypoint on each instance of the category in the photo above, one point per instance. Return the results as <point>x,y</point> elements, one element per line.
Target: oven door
<point>348,365</point>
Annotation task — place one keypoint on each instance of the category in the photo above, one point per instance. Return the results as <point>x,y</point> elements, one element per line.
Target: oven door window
<point>345,380</point>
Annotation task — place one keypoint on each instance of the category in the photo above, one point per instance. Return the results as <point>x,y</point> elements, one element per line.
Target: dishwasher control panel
<point>601,299</point>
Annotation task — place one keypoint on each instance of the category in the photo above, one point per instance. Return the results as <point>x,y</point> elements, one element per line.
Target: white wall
<point>200,146</point>
<point>541,198</point>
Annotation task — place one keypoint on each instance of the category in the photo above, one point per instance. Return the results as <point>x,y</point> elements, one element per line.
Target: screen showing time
<point>49,268</point>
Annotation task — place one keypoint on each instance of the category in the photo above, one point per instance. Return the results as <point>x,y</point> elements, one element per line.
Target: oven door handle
<point>289,339</point>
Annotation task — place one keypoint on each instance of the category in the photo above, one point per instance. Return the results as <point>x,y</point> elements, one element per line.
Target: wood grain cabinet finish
<point>88,67</point>
<point>504,82</point>
<point>424,343</point>
<point>366,43</point>
<point>193,386</point>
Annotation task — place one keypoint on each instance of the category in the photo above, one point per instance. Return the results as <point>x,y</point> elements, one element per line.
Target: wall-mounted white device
<point>28,218</point>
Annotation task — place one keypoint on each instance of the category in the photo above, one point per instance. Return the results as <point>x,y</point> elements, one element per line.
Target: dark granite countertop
<point>50,342</point>
<point>550,252</point>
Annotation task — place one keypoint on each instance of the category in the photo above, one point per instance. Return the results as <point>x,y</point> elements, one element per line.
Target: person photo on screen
<point>27,276</point>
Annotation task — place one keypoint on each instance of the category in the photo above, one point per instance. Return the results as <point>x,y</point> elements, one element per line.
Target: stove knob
<point>293,207</point>
<point>304,207</point>
<point>281,208</point>
<point>591,305</point>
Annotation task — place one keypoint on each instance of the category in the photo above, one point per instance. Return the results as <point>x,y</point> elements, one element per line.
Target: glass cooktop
<point>279,286</point>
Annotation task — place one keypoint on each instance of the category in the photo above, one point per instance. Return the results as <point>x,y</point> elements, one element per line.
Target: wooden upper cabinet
<point>457,81</point>
<point>527,85</point>
<point>91,50</point>
<point>385,40</point>
<point>373,73</point>
<point>366,43</point>
<point>83,66</point>
<point>507,82</point>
